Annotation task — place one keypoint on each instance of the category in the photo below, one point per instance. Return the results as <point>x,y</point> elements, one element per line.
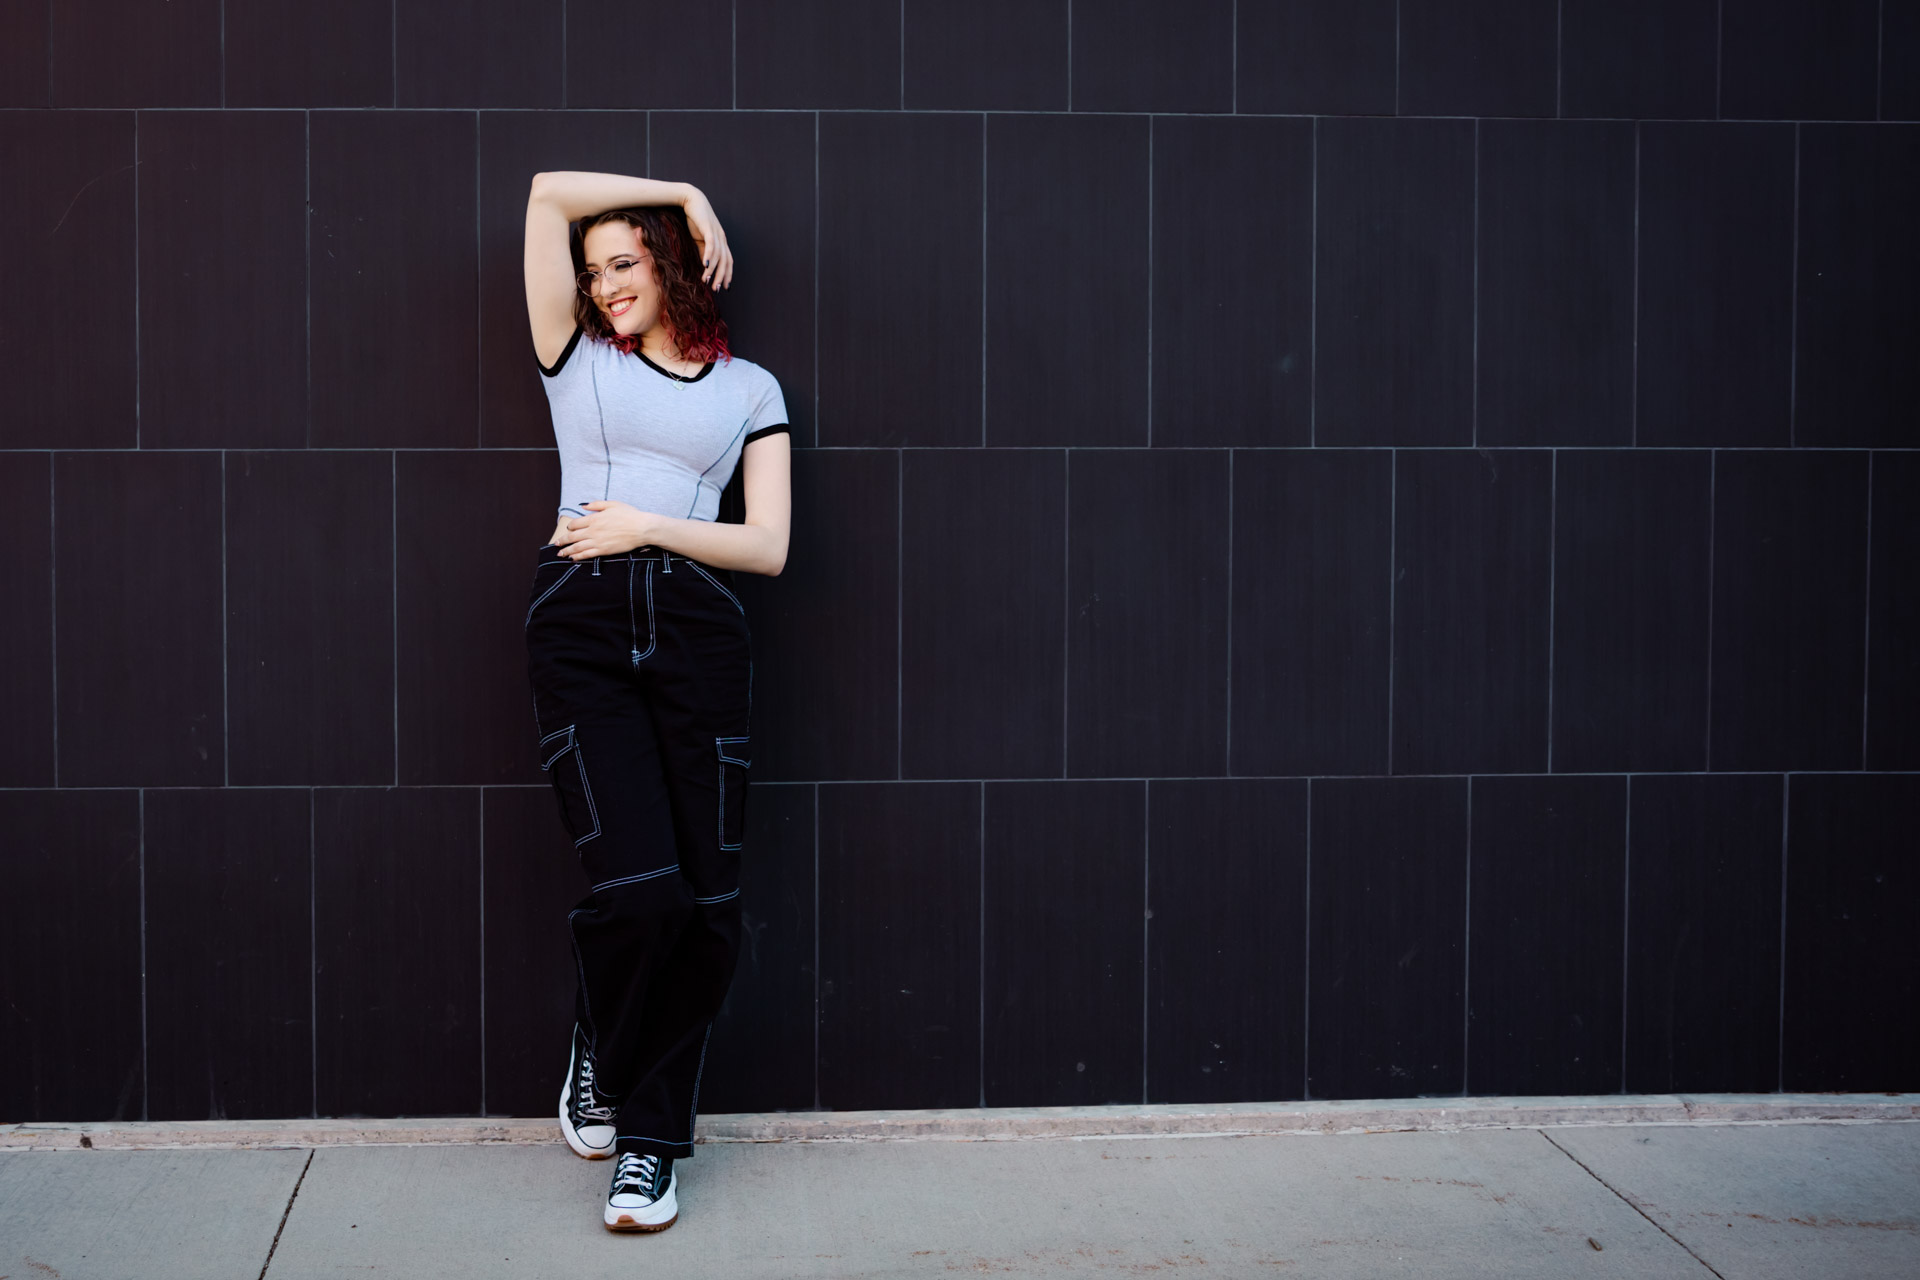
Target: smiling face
<point>633,305</point>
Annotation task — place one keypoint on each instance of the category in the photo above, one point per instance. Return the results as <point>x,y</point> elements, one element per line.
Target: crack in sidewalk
<point>1624,1199</point>
<point>285,1214</point>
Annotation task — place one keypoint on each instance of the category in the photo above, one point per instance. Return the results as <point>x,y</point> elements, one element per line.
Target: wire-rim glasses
<point>617,274</point>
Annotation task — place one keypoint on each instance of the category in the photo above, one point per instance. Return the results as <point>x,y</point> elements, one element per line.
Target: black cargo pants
<point>642,681</point>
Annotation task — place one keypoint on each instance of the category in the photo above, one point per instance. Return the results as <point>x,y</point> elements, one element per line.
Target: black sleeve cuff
<point>559,364</point>
<point>764,431</point>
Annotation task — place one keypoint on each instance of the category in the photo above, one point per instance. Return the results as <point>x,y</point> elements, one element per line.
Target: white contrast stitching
<point>716,582</point>
<point>549,591</point>
<point>644,875</point>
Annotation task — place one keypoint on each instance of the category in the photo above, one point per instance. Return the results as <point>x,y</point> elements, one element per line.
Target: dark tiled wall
<point>1342,547</point>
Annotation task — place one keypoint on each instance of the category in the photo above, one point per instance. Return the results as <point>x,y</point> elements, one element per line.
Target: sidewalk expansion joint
<point>284,1215</point>
<point>1629,1202</point>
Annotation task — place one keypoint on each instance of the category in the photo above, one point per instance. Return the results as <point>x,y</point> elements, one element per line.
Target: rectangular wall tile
<point>482,53</point>
<point>1851,883</point>
<point>530,880</point>
<point>959,56</point>
<point>137,619</point>
<point>1556,283</point>
<point>1226,940</point>
<point>899,306</point>
<point>1394,330</point>
<point>465,707</point>
<point>983,622</point>
<point>1312,559</point>
<point>827,630</point>
<point>70,194</point>
<point>1233,302</point>
<point>1545,935</point>
<point>1147,614</point>
<point>616,58</point>
<point>1858,325</point>
<point>900,945</point>
<point>757,168</point>
<point>126,53</point>
<point>1136,55</point>
<point>1063,1002</point>
<point>1476,58</point>
<point>71,1019</point>
<point>1333,57</point>
<point>229,954</point>
<point>24,66</point>
<point>515,145</point>
<point>1638,59</point>
<point>1471,583</point>
<point>27,660</point>
<point>309,592</point>
<point>1067,258</point>
<point>1893,618</point>
<point>761,1056</point>
<point>223,199</point>
<point>1387,927</point>
<point>288,53</point>
<point>1703,934</point>
<point>1716,284</point>
<point>394,351</point>
<point>1789,609</point>
<point>1630,610</point>
<point>839,56</point>
<point>1899,62</point>
<point>397,896</point>
<point>1799,59</point>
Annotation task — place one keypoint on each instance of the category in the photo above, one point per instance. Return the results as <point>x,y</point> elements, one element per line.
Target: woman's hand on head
<point>612,528</point>
<point>716,260</point>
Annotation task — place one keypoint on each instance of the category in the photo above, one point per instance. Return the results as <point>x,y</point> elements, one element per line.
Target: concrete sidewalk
<point>1758,1199</point>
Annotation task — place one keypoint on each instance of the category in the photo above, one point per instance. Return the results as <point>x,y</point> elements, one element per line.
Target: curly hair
<point>687,305</point>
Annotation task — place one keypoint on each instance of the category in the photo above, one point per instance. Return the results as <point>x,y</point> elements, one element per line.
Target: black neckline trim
<point>705,369</point>
<point>565,351</point>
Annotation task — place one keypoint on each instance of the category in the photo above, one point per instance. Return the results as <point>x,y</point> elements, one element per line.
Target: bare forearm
<point>750,548</point>
<point>578,195</point>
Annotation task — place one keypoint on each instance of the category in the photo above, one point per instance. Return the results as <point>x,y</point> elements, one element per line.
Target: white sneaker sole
<point>658,1216</point>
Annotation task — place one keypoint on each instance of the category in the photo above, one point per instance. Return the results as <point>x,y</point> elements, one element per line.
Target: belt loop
<point>666,560</point>
<point>596,566</point>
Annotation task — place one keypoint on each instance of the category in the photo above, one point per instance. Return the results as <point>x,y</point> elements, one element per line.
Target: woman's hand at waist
<point>612,528</point>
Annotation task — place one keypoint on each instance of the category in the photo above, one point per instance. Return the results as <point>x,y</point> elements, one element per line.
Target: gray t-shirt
<point>629,431</point>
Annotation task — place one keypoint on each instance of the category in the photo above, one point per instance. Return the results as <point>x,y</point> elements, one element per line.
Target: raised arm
<point>559,198</point>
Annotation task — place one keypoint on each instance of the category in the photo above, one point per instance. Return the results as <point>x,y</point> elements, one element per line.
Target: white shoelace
<point>636,1174</point>
<point>598,1111</point>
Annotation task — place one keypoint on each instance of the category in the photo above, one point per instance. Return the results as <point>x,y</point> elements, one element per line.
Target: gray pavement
<point>1642,1201</point>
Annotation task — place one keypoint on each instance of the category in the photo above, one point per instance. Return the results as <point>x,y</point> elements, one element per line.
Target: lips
<point>620,306</point>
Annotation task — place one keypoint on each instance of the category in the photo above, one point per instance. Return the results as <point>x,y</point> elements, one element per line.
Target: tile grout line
<point>1626,927</point>
<point>899,611</point>
<point>1393,551</point>
<point>733,84</point>
<point>1313,284</point>
<point>816,946</point>
<point>903,55</point>
<point>1880,62</point>
<point>146,1073</point>
<point>1146,930</point>
<point>816,268</point>
<point>1629,1203</point>
<point>286,1213</point>
<point>1559,56</point>
<point>1069,55</point>
<point>1793,302</point>
<point>1713,497</point>
<point>1474,389</point>
<point>563,56</point>
<point>313,953</point>
<point>1866,652</point>
<point>223,55</point>
<point>1786,826</point>
<point>1149,282</point>
<point>53,610</point>
<point>1229,629</point>
<point>393,584</point>
<point>1553,550</point>
<point>479,295</point>
<point>983,279</point>
<point>1719,50</point>
<point>1066,597</point>
<point>306,131</point>
<point>136,278</point>
<point>481,795</point>
<point>1396,57</point>
<point>1234,66</point>
<point>393,10</point>
<point>1306,961</point>
<point>981,1044</point>
<point>1466,958</point>
<point>226,659</point>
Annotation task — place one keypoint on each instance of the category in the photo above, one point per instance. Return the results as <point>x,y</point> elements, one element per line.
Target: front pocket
<point>734,763</point>
<point>723,591</point>
<point>566,767</point>
<point>551,588</point>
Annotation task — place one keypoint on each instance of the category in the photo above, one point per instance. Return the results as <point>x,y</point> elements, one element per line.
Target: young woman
<point>638,650</point>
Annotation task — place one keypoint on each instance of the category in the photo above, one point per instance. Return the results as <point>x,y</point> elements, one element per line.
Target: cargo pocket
<point>567,769</point>
<point>734,763</point>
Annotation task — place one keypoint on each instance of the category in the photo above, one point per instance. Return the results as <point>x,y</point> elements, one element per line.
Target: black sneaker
<point>586,1117</point>
<point>641,1198</point>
